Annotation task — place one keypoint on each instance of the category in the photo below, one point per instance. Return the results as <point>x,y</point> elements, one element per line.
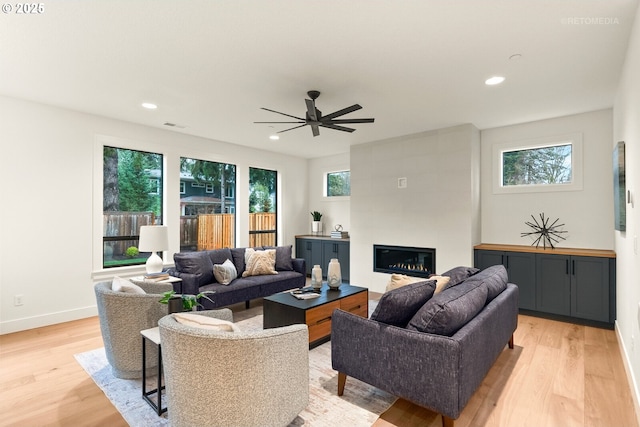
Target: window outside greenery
<point>207,205</point>
<point>537,166</point>
<point>262,207</point>
<point>132,197</point>
<point>339,184</point>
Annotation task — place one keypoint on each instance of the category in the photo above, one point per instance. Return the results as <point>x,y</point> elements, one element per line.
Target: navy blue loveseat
<point>196,271</point>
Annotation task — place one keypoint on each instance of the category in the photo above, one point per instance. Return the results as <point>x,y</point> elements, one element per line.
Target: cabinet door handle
<point>506,257</point>
<point>573,267</point>
<point>352,309</point>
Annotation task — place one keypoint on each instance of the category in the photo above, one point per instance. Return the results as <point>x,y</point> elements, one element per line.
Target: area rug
<point>361,404</point>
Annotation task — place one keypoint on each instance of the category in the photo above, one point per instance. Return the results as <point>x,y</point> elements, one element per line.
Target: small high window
<point>541,165</point>
<point>338,184</point>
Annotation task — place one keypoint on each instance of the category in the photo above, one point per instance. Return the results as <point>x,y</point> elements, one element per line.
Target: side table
<point>152,335</point>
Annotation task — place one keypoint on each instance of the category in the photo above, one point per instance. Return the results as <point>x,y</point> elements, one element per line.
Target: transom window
<point>541,165</point>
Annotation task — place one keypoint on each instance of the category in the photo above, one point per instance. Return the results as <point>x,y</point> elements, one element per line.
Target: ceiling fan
<point>315,119</point>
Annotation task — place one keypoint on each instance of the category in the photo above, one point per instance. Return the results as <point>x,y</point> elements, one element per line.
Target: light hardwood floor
<point>559,374</point>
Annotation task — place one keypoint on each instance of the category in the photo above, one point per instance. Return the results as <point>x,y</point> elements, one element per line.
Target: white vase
<point>316,226</point>
<point>334,275</point>
<point>316,277</point>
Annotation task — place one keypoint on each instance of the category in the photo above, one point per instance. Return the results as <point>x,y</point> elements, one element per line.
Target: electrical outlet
<point>18,300</point>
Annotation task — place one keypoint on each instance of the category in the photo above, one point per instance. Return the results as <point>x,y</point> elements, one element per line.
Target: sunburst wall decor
<point>545,232</point>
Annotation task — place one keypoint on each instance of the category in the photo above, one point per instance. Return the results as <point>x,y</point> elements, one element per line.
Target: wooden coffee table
<point>284,309</point>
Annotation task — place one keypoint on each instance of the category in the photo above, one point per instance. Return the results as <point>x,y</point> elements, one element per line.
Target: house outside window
<point>263,230</point>
<point>207,219</point>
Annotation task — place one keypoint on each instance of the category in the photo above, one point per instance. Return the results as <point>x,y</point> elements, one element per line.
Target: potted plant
<point>185,301</point>
<point>316,225</point>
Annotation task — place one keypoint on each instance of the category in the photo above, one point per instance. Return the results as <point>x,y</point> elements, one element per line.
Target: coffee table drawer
<point>357,304</point>
<point>319,320</point>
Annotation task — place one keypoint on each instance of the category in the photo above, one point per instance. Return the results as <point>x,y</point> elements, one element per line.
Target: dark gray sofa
<point>440,369</point>
<point>196,271</point>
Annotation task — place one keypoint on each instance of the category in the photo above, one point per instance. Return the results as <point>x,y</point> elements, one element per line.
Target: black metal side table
<point>152,335</point>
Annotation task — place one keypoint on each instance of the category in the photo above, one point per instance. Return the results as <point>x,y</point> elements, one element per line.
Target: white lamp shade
<point>153,238</point>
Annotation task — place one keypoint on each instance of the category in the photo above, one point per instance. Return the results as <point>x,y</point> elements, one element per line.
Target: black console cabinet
<point>320,250</point>
<point>573,284</point>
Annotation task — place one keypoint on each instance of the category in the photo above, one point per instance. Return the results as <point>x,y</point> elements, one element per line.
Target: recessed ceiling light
<point>149,105</point>
<point>495,80</point>
<point>274,137</point>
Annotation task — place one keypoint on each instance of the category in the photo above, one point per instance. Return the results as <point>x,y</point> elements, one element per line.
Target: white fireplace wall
<point>439,208</point>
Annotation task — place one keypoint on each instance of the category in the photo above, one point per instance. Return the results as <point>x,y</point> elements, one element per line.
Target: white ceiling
<point>414,65</point>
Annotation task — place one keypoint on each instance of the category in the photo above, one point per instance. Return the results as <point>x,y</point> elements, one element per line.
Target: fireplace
<point>412,261</point>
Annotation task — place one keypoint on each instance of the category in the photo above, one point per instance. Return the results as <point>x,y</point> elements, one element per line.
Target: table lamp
<point>153,238</point>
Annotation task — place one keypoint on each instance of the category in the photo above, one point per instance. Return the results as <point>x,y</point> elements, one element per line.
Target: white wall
<point>587,214</point>
<point>626,127</point>
<point>334,210</point>
<point>50,219</point>
<point>438,209</point>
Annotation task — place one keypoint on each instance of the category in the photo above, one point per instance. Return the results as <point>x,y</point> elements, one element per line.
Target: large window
<point>132,197</point>
<point>338,184</point>
<point>262,207</point>
<point>545,164</point>
<point>207,205</point>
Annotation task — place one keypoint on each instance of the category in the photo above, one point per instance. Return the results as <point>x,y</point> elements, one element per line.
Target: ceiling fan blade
<point>311,110</point>
<point>295,127</point>
<point>350,121</point>
<point>281,122</point>
<point>315,130</point>
<point>278,112</point>
<point>336,127</point>
<point>342,112</point>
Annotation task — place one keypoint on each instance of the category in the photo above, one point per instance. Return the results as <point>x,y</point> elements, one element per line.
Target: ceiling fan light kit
<point>315,119</point>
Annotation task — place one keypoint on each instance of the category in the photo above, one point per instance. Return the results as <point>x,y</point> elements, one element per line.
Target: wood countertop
<point>321,237</point>
<point>602,253</point>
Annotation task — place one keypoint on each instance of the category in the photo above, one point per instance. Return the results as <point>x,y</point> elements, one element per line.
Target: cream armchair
<point>214,378</point>
<point>123,316</point>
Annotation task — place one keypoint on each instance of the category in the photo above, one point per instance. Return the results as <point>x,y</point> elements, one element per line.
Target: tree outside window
<point>339,184</point>
<point>207,205</point>
<point>537,166</point>
<point>132,197</point>
<point>262,207</point>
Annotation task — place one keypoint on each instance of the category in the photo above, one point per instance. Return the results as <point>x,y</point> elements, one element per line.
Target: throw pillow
<point>441,282</point>
<point>450,310</point>
<point>225,272</point>
<point>459,274</point>
<point>398,306</point>
<point>494,278</point>
<point>259,262</point>
<point>398,280</point>
<point>283,257</point>
<point>123,285</point>
<point>205,322</point>
<point>197,263</point>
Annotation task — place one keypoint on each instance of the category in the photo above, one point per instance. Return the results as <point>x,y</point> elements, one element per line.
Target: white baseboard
<point>630,377</point>
<point>25,323</point>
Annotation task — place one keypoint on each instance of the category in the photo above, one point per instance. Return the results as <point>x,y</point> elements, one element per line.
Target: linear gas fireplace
<point>420,262</point>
